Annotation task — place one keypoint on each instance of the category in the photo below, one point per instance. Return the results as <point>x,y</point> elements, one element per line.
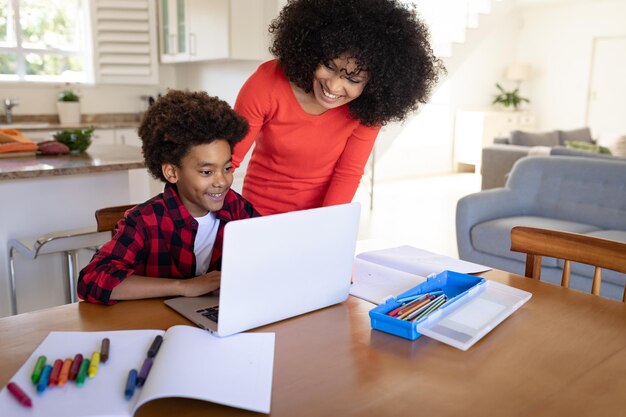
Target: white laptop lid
<point>283,265</point>
<point>280,266</point>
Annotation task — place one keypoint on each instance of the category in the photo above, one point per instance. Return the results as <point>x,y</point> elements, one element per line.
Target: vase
<point>69,112</point>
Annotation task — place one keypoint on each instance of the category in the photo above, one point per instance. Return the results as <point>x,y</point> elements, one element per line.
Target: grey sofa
<point>580,195</point>
<point>498,159</point>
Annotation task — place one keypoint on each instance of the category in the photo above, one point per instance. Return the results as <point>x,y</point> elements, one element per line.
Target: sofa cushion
<point>607,275</point>
<point>587,147</point>
<point>577,135</point>
<point>582,190</point>
<point>502,140</point>
<point>519,137</point>
<point>565,151</point>
<point>494,236</point>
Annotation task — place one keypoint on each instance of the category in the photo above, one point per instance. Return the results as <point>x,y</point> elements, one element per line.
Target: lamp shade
<point>518,72</point>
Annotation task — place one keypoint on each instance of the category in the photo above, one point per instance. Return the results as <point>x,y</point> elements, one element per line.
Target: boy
<point>171,245</point>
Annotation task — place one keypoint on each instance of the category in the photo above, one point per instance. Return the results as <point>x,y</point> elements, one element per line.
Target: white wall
<point>41,99</point>
<point>221,79</point>
<point>473,83</point>
<point>557,41</point>
<point>424,145</point>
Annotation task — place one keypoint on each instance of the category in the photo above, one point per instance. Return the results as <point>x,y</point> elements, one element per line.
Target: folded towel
<point>12,140</point>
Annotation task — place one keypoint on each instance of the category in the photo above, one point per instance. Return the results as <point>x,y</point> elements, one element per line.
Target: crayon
<point>131,383</point>
<point>41,363</point>
<point>65,372</point>
<point>82,372</point>
<point>93,365</point>
<point>145,370</point>
<point>154,348</point>
<point>419,311</point>
<point>19,395</point>
<point>412,305</point>
<point>104,350</point>
<point>78,359</point>
<point>43,380</point>
<point>407,305</point>
<point>54,375</point>
<point>436,293</point>
<point>437,302</point>
<point>405,313</point>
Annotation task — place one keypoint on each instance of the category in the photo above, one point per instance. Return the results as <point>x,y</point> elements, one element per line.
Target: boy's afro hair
<point>385,37</point>
<point>182,119</point>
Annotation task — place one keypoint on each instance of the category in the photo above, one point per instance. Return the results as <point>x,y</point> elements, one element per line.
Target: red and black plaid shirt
<point>155,239</point>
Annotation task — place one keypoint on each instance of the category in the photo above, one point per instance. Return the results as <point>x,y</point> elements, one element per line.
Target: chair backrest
<point>590,250</point>
<point>591,191</point>
<point>107,217</point>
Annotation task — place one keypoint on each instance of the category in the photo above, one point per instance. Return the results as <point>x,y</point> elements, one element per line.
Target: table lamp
<point>518,73</point>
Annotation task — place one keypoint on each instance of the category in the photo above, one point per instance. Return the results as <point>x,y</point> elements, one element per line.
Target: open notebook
<point>191,363</point>
<point>385,273</point>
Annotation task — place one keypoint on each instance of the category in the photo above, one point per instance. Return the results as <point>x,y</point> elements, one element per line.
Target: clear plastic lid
<point>468,319</point>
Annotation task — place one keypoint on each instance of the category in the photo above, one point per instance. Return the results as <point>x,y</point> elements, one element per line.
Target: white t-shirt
<point>205,239</point>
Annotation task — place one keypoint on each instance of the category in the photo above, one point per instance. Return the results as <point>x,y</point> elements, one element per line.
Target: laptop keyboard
<point>210,312</point>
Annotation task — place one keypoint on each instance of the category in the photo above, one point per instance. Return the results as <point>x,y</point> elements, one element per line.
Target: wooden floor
<point>418,212</point>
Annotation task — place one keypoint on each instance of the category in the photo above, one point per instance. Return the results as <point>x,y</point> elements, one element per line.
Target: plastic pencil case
<point>454,285</point>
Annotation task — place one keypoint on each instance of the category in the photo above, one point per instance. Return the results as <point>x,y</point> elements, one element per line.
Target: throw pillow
<point>577,135</point>
<point>586,146</point>
<point>522,138</point>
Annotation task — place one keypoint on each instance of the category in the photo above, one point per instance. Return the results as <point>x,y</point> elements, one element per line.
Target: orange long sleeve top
<point>299,161</point>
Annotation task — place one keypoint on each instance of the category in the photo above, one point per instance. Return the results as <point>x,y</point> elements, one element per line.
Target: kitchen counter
<point>51,122</point>
<point>44,126</point>
<point>98,158</point>
<point>48,194</point>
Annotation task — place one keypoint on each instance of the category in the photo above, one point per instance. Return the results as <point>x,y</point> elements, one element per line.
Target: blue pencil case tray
<point>454,285</point>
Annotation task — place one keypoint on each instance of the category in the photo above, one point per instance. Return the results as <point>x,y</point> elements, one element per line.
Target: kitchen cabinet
<point>104,137</point>
<point>474,130</point>
<point>193,30</point>
<point>39,135</point>
<point>142,186</point>
<point>127,137</point>
<point>202,30</point>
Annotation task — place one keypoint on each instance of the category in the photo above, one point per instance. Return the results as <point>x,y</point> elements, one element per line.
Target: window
<point>44,41</point>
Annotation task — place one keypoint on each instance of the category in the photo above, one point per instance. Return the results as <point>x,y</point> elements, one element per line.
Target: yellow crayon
<point>93,365</point>
<point>65,372</point>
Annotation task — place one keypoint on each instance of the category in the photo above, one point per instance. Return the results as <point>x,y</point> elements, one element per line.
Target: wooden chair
<point>601,253</point>
<point>107,217</point>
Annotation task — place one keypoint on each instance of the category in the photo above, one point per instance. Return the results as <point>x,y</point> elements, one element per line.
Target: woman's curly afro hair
<point>383,36</point>
<point>182,119</point>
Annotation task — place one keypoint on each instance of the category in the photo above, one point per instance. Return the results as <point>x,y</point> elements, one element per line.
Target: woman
<point>343,69</point>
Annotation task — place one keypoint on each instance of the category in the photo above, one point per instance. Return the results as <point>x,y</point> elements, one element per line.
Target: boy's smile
<point>204,177</point>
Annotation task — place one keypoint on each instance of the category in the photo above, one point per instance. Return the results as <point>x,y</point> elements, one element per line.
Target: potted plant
<point>78,140</point>
<point>68,106</point>
<point>509,99</point>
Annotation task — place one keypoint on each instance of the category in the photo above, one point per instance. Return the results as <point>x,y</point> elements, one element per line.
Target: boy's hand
<point>201,284</point>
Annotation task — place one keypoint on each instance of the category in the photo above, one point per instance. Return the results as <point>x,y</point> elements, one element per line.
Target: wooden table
<point>562,354</point>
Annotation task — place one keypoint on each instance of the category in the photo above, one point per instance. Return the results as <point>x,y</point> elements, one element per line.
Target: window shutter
<point>125,44</point>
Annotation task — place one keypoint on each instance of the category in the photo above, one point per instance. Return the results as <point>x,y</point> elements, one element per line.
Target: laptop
<point>278,266</point>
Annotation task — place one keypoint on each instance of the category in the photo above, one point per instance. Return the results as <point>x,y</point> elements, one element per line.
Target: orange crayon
<point>65,372</point>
